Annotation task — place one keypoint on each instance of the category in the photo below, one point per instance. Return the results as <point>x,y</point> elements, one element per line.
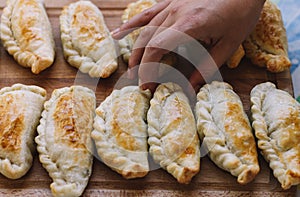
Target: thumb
<point>208,69</point>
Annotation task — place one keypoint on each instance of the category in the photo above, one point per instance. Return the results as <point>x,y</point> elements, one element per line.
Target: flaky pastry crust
<point>27,35</point>
<point>226,132</point>
<point>276,121</point>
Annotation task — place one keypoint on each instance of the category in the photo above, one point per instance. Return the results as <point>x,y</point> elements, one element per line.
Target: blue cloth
<point>290,10</point>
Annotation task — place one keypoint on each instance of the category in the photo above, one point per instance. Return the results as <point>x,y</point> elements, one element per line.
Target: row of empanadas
<point>121,133</point>
<point>225,130</point>
<point>27,35</point>
<point>64,135</point>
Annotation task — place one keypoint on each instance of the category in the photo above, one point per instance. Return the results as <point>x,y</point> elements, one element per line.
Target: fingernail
<point>114,32</point>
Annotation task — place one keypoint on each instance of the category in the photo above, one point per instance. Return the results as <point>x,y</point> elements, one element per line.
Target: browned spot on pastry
<point>293,173</point>
<point>123,139</point>
<point>11,123</point>
<point>10,139</point>
<point>87,22</point>
<point>66,129</point>
<point>29,20</point>
<point>188,151</point>
<point>290,137</point>
<point>239,131</point>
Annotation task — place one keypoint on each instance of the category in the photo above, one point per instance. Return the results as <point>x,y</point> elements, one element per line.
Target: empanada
<point>276,121</point>
<point>266,46</point>
<point>87,43</point>
<point>173,138</point>
<point>27,35</point>
<point>20,110</point>
<point>225,130</point>
<point>64,142</point>
<point>120,131</point>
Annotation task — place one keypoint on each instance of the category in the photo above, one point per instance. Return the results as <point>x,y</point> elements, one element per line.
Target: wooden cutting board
<point>211,181</point>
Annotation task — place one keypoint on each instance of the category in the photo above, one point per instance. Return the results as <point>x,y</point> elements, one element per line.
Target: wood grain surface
<point>211,181</point>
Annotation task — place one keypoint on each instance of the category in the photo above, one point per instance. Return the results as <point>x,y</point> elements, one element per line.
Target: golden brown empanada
<point>267,44</point>
<point>27,35</point>
<point>225,130</point>
<point>173,138</point>
<point>20,110</point>
<point>86,40</point>
<point>120,131</point>
<point>64,142</point>
<point>276,121</point>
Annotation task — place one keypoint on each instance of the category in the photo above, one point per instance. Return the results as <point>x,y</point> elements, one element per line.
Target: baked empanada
<point>64,142</point>
<point>120,131</point>
<point>173,138</point>
<point>27,35</point>
<point>225,130</point>
<point>86,40</point>
<point>276,121</point>
<point>20,111</point>
<point>266,46</point>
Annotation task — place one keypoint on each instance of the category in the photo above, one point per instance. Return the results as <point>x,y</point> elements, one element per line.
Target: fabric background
<point>290,10</point>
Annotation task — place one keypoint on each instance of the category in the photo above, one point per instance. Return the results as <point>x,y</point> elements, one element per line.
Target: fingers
<point>209,67</point>
<point>157,47</point>
<point>139,20</point>
<point>144,37</point>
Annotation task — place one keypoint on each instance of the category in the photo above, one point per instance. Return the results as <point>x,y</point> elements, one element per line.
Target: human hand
<point>219,25</point>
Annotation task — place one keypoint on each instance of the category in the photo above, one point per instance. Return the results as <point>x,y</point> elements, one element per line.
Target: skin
<point>220,25</point>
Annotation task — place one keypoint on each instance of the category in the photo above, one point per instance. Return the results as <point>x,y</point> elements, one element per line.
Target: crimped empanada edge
<point>32,88</point>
